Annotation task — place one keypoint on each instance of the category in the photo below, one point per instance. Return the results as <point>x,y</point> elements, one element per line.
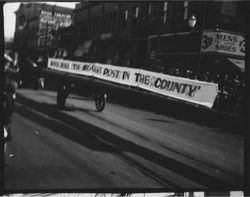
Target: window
<point>185,15</point>
<point>136,11</point>
<point>150,9</point>
<point>97,23</point>
<point>125,14</point>
<point>83,24</point>
<point>94,25</point>
<point>28,5</point>
<point>110,19</point>
<point>165,11</point>
<point>229,8</point>
<point>104,28</point>
<point>124,18</point>
<point>114,21</point>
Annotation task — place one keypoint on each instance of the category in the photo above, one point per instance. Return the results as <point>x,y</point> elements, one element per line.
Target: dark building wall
<point>133,22</point>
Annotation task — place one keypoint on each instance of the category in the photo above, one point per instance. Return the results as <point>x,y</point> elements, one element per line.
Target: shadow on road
<point>98,139</point>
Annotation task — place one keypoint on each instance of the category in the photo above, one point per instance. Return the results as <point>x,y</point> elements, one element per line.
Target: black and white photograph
<point>125,96</point>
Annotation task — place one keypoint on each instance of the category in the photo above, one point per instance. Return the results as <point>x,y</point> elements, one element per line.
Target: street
<point>121,147</point>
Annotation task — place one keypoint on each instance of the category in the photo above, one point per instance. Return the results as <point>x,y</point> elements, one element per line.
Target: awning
<point>239,63</point>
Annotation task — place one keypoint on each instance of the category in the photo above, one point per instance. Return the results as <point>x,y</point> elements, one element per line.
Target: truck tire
<point>61,96</point>
<point>100,101</point>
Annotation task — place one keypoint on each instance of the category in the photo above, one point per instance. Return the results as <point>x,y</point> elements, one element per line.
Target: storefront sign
<point>194,91</point>
<point>223,42</point>
<point>55,20</point>
<point>49,13</point>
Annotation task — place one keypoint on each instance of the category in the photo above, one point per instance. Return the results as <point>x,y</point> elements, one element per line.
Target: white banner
<point>122,75</point>
<point>194,91</point>
<point>223,42</point>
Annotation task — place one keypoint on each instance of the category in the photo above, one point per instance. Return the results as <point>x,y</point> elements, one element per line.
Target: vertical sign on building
<point>51,21</point>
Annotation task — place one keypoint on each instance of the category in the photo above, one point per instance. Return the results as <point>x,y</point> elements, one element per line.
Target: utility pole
<point>201,36</point>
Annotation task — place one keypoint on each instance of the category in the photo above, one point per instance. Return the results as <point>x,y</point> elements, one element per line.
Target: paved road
<point>121,147</point>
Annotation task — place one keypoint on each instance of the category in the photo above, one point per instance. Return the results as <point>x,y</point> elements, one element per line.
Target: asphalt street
<point>121,147</point>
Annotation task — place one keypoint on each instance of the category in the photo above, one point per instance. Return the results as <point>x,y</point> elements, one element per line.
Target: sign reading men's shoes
<point>223,42</point>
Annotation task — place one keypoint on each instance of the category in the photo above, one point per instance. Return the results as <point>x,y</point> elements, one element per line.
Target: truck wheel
<point>100,101</point>
<point>61,96</point>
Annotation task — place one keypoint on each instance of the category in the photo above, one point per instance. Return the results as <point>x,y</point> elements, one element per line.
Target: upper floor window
<point>165,11</point>
<point>125,14</point>
<point>229,8</point>
<point>105,24</point>
<point>96,24</point>
<point>124,18</point>
<point>150,9</point>
<point>110,22</point>
<point>83,26</point>
<point>113,21</point>
<point>185,14</point>
<point>28,5</point>
<point>136,12</point>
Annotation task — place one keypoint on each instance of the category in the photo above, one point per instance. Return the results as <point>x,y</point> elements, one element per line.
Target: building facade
<point>36,24</point>
<point>155,35</point>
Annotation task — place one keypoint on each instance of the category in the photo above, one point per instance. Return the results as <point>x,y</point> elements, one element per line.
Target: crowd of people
<point>232,93</point>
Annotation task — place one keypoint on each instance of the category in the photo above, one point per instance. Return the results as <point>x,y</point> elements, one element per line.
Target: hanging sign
<point>224,43</point>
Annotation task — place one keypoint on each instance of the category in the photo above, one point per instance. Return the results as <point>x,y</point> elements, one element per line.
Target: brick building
<point>36,24</point>
<point>156,35</point>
